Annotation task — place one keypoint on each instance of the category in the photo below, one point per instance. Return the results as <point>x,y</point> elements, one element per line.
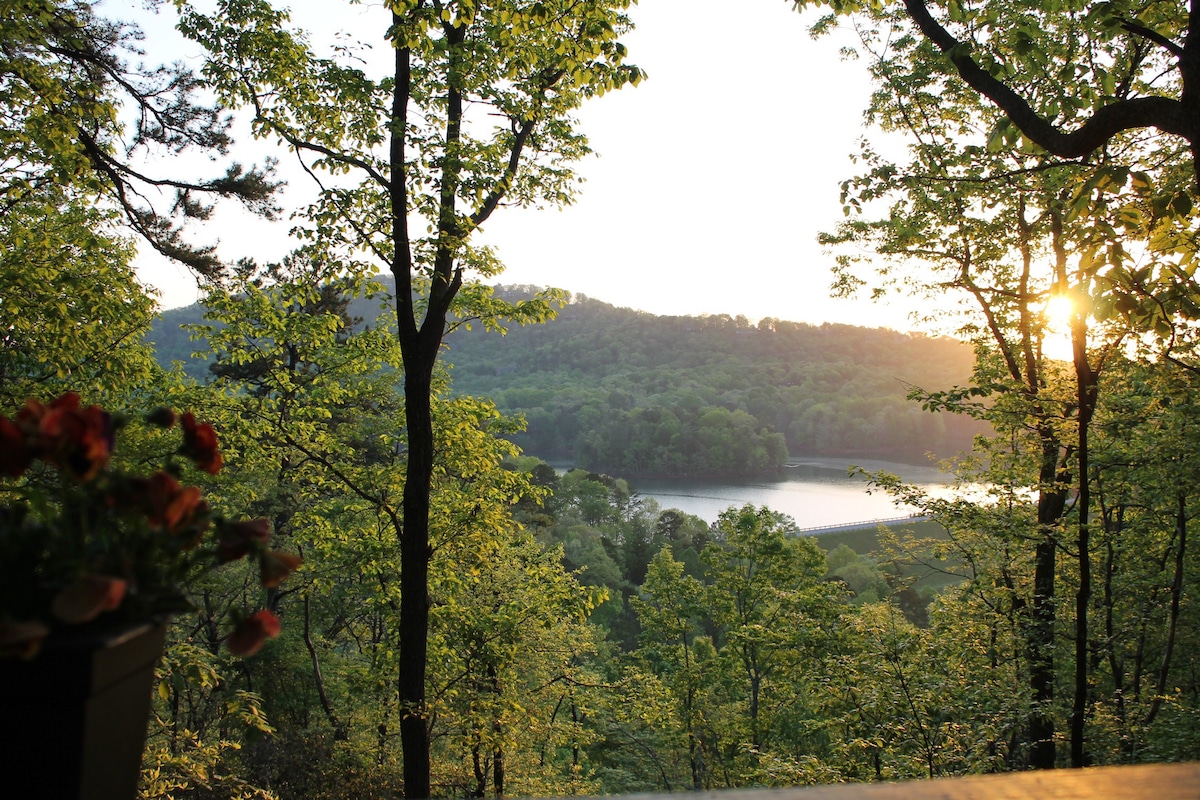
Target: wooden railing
<point>1137,782</point>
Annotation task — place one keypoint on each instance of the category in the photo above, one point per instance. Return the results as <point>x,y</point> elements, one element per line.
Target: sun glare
<point>1057,312</point>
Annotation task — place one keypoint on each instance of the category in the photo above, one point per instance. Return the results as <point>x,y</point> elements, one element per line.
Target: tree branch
<point>1164,113</point>
<point>1153,36</point>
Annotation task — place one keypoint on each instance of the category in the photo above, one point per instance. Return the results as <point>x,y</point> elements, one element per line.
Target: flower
<point>237,539</point>
<point>88,597</point>
<point>200,444</point>
<point>84,540</point>
<point>248,637</point>
<point>14,452</point>
<point>73,438</point>
<point>274,566</point>
<point>178,510</point>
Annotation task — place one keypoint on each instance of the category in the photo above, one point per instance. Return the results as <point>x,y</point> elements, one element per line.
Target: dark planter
<point>73,719</point>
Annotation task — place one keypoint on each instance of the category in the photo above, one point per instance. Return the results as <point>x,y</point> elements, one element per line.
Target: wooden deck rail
<point>1136,782</point>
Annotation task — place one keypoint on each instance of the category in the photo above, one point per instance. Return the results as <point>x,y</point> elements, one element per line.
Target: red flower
<point>77,439</point>
<point>14,452</point>
<point>236,539</point>
<point>88,598</point>
<point>175,508</point>
<point>32,412</point>
<point>200,444</point>
<point>250,634</point>
<point>274,566</point>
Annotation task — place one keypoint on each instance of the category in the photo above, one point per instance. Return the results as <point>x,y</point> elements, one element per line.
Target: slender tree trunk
<point>480,789</point>
<point>415,554</point>
<point>1083,595</point>
<point>1087,388</point>
<point>498,771</point>
<point>498,731</point>
<point>1051,502</point>
<point>419,361</point>
<point>1173,620</point>
<point>420,336</point>
<point>339,730</point>
<point>1116,665</point>
<point>755,689</point>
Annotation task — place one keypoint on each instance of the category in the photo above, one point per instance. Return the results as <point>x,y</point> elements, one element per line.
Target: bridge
<point>869,523</point>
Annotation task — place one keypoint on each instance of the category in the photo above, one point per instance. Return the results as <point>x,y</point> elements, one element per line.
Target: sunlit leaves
<point>76,114</point>
<point>516,64</point>
<point>71,311</point>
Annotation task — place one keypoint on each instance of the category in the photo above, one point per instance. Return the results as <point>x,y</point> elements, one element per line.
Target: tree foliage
<point>79,111</point>
<point>417,144</point>
<point>629,393</point>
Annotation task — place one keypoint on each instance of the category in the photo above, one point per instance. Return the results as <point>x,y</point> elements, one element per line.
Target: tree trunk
<point>1051,502</point>
<point>498,731</point>
<point>339,730</point>
<point>1173,620</point>
<point>1086,386</point>
<point>415,554</point>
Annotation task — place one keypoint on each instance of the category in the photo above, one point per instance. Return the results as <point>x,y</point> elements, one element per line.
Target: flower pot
<point>73,719</point>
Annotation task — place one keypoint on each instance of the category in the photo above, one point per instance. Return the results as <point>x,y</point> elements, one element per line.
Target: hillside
<point>630,393</point>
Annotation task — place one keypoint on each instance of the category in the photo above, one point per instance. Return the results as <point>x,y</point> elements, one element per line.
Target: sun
<point>1057,313</point>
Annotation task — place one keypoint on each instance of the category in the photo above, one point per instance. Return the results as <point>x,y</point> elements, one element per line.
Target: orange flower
<point>274,566</point>
<point>236,539</point>
<point>88,598</point>
<point>250,634</point>
<point>175,508</point>
<point>200,444</point>
<point>32,412</point>
<point>78,439</point>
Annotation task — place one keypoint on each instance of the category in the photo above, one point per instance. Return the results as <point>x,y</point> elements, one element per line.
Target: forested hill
<point>630,393</point>
<point>626,392</point>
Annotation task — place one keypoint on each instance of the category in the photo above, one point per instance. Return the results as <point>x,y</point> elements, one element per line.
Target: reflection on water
<point>814,492</point>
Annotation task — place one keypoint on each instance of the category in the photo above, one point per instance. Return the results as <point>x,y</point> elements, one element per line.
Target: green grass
<point>865,542</point>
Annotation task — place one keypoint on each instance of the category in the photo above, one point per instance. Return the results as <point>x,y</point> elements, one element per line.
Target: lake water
<point>816,493</point>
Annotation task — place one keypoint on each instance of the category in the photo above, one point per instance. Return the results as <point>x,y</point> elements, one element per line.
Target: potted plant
<point>93,560</point>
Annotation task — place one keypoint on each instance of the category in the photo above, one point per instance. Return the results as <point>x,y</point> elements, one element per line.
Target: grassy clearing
<point>865,542</point>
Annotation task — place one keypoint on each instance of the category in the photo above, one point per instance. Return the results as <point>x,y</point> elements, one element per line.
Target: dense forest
<point>630,393</point>
<point>586,640</point>
<point>461,619</point>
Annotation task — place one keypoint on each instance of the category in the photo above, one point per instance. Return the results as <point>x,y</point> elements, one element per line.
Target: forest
<point>629,393</point>
<point>461,619</point>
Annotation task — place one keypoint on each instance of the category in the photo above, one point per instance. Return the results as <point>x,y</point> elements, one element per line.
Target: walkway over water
<point>870,523</point>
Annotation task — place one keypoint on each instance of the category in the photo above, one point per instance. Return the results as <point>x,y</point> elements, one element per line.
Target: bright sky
<point>712,181</point>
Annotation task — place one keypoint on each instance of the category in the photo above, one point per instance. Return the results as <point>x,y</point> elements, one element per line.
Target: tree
<point>1143,60</point>
<point>72,314</point>
<point>986,217</point>
<point>1145,493</point>
<point>669,610</point>
<point>311,399</point>
<point>769,603</point>
<point>74,112</point>
<point>424,142</point>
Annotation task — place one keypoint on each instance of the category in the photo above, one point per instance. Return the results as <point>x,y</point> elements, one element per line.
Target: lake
<point>816,493</point>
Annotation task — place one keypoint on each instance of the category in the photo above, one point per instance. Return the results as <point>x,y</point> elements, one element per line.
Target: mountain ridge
<point>633,393</point>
